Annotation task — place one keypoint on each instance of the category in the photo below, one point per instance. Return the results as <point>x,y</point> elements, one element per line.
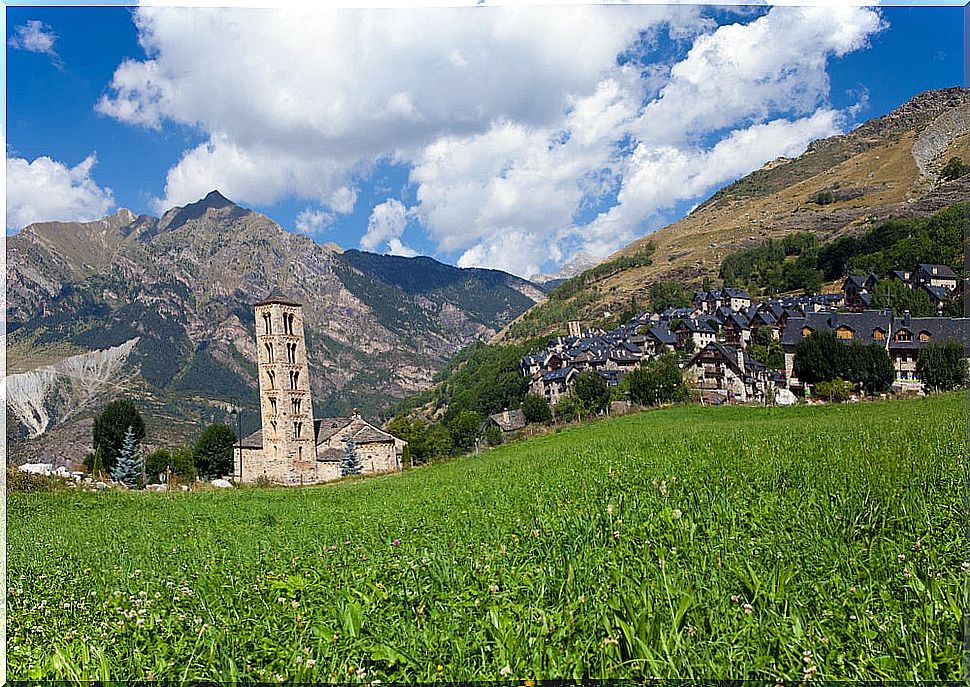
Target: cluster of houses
<point>939,282</point>
<point>715,334</point>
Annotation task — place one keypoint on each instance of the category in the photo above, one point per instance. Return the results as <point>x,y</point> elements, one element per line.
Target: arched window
<point>272,405</point>
<point>272,378</point>
<point>269,352</point>
<point>296,403</point>
<point>291,352</point>
<point>294,379</point>
<point>267,323</point>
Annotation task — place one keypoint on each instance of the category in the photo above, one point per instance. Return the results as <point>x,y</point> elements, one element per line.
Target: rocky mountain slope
<point>887,167</point>
<point>167,302</point>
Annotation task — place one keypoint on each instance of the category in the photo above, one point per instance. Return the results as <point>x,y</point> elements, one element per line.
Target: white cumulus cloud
<point>384,228</point>
<point>517,123</point>
<point>46,190</point>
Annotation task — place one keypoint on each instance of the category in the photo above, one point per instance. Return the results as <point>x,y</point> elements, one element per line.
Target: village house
<point>509,421</point>
<point>939,276</point>
<point>857,291</point>
<point>291,447</point>
<point>730,372</point>
<point>911,334</point>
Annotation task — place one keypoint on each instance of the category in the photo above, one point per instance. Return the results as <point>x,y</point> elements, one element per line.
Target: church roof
<point>330,455</point>
<point>325,428</point>
<point>278,297</point>
<point>369,434</point>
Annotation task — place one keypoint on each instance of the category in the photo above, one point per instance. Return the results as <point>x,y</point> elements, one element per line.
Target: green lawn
<point>689,542</point>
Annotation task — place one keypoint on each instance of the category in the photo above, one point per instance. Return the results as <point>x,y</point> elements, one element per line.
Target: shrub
<point>592,391</point>
<point>536,409</point>
<point>157,463</point>
<point>837,390</point>
<point>212,453</point>
<point>941,367</point>
<point>568,408</point>
<point>493,435</point>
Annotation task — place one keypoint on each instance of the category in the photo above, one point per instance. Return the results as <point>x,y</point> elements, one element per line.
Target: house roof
<point>941,271</point>
<point>368,434</point>
<point>509,420</point>
<point>861,323</point>
<point>330,455</point>
<point>940,329</point>
<point>937,293</point>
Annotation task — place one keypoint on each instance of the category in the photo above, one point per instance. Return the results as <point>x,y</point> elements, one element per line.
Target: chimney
<point>906,318</point>
<point>740,353</point>
<point>356,414</point>
<point>574,328</point>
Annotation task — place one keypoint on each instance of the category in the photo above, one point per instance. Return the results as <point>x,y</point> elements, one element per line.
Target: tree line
<point>118,435</point>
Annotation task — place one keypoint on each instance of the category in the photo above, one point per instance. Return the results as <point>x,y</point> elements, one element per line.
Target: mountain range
<point>160,310</point>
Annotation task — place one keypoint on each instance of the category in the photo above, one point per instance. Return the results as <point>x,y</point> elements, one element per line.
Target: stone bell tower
<point>286,406</point>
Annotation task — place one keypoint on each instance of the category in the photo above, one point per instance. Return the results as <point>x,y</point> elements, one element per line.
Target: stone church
<point>292,447</point>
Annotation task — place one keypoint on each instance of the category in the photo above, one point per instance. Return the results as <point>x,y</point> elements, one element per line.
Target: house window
<point>297,427</point>
<point>272,378</point>
<point>269,352</point>
<point>806,331</point>
<point>267,323</point>
<point>903,335</point>
<point>843,333</point>
<point>878,334</point>
<point>924,336</point>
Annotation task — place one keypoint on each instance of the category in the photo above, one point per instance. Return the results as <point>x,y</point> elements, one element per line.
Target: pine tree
<point>350,465</point>
<point>127,468</point>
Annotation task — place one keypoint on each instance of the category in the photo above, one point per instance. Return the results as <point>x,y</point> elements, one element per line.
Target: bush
<point>493,435</point>
<point>20,481</point>
<point>821,357</point>
<point>157,463</point>
<point>212,454</point>
<point>592,391</point>
<point>568,408</point>
<point>657,381</point>
<point>465,428</point>
<point>183,464</point>
<point>535,408</point>
<point>824,197</point>
<point>941,367</point>
<point>837,390</point>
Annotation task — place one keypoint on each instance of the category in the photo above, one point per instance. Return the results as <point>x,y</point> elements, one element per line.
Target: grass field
<point>819,542</point>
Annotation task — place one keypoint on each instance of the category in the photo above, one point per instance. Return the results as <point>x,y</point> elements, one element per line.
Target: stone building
<point>292,447</point>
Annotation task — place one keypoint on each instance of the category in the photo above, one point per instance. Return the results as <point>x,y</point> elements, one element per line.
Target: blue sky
<point>501,137</point>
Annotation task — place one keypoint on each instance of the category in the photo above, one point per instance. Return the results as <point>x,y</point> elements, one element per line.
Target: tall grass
<point>810,542</point>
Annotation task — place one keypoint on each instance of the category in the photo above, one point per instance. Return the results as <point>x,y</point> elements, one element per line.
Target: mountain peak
<point>213,200</point>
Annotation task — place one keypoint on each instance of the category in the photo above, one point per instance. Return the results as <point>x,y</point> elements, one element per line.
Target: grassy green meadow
<point>808,542</point>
